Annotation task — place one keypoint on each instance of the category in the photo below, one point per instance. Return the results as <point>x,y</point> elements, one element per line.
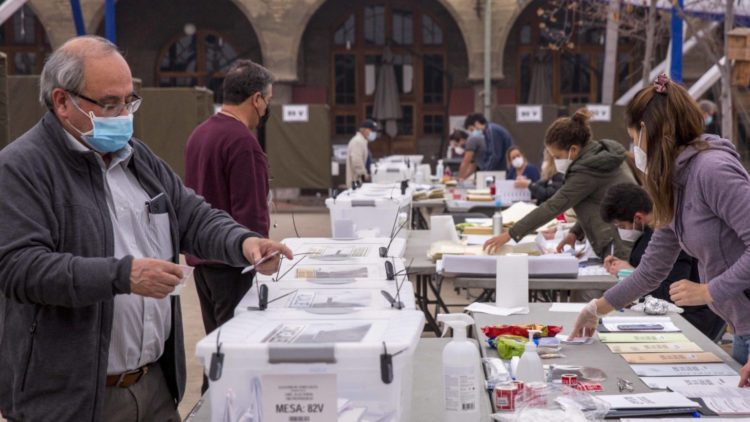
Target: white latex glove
<point>587,321</point>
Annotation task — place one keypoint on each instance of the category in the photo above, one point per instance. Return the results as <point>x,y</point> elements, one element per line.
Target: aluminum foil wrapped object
<point>654,306</point>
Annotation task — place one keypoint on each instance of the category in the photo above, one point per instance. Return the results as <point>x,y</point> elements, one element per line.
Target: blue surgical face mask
<point>107,134</point>
<point>708,120</point>
<point>476,132</point>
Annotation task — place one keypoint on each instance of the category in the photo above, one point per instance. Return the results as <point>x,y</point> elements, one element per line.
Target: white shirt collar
<point>121,156</point>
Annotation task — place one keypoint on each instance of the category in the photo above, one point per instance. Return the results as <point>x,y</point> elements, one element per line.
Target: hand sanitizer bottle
<point>461,372</point>
<point>530,368</point>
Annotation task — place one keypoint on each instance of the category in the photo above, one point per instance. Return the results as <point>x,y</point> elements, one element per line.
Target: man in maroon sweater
<point>226,165</point>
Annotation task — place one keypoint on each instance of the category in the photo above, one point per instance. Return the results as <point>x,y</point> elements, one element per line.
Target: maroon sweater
<point>225,164</point>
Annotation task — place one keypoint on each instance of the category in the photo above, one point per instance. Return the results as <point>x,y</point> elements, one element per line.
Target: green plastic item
<point>509,346</point>
<point>625,273</point>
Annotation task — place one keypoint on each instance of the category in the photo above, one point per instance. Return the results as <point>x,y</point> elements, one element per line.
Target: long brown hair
<point>565,132</point>
<point>672,120</point>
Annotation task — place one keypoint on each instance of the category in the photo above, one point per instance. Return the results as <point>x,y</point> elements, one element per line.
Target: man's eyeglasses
<point>132,102</point>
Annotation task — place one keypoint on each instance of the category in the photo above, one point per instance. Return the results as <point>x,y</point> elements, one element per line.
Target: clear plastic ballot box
<point>314,368</point>
<point>307,268</point>
<point>323,250</point>
<point>379,210</point>
<point>332,296</point>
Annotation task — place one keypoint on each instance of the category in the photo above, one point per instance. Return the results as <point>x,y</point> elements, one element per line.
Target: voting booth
<point>282,363</point>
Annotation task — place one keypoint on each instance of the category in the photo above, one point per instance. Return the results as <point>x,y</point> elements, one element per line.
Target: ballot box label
<point>299,398</point>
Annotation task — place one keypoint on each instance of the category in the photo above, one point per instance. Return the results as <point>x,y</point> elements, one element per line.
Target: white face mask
<point>640,155</point>
<point>562,164</point>
<point>517,162</point>
<point>630,235</point>
<point>458,150</point>
<point>372,136</point>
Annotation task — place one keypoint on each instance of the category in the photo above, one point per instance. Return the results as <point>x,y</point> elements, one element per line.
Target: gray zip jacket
<point>58,278</point>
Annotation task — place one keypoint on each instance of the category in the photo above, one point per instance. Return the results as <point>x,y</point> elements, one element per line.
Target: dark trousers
<point>220,289</point>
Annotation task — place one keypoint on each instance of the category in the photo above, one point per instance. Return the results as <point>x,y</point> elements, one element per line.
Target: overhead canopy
<point>707,9</point>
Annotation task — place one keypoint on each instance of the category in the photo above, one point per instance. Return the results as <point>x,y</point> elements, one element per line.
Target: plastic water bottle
<point>497,220</point>
<point>497,223</point>
<point>439,171</point>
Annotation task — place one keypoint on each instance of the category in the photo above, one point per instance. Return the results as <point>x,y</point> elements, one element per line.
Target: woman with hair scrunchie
<point>701,195</point>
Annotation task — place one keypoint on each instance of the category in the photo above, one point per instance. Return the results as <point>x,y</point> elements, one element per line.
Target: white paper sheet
<point>565,339</point>
<point>681,419</point>
<point>488,308</point>
<point>687,370</point>
<point>614,322</point>
<point>477,239</point>
<point>713,391</point>
<point>662,383</point>
<point>656,400</point>
<point>567,307</point>
<point>728,405</point>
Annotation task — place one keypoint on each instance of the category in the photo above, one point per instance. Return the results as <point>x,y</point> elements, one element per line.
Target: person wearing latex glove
<point>590,167</point>
<point>701,195</point>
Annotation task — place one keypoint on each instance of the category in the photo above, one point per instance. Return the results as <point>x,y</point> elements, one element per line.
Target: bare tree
<point>644,28</point>
<point>648,54</point>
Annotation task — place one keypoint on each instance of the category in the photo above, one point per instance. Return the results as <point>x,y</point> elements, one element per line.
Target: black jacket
<point>544,189</point>
<point>58,277</point>
<point>686,267</point>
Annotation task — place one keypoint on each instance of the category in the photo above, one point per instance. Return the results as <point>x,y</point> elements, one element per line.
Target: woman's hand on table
<point>569,239</point>
<point>745,375</point>
<point>494,244</point>
<point>588,318</point>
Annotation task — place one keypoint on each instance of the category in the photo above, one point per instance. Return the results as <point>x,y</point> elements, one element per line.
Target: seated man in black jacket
<point>628,207</point>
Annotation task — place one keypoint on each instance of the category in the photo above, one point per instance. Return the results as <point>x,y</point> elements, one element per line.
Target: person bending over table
<point>629,208</point>
<point>590,167</point>
<point>701,196</point>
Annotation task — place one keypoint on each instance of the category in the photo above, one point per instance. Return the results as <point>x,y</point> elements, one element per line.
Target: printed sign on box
<point>526,114</point>
<point>295,113</point>
<point>291,398</point>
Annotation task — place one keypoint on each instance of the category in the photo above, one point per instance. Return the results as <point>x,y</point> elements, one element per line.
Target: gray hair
<point>708,106</point>
<point>64,68</point>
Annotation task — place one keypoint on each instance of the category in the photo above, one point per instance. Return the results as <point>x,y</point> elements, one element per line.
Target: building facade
<point>329,52</point>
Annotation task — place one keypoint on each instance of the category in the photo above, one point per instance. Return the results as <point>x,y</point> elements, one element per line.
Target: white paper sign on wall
<point>296,113</point>
<point>600,112</point>
<point>528,113</point>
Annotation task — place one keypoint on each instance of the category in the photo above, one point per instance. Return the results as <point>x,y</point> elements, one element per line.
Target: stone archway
<point>146,38</point>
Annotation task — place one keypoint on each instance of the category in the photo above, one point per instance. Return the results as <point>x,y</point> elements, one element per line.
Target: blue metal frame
<point>75,7</point>
<point>109,21</point>
<point>675,67</point>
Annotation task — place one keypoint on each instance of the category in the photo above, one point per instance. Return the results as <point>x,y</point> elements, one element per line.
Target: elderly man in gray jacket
<point>91,230</point>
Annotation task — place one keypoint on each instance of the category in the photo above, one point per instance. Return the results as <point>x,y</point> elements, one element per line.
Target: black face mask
<point>264,118</point>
